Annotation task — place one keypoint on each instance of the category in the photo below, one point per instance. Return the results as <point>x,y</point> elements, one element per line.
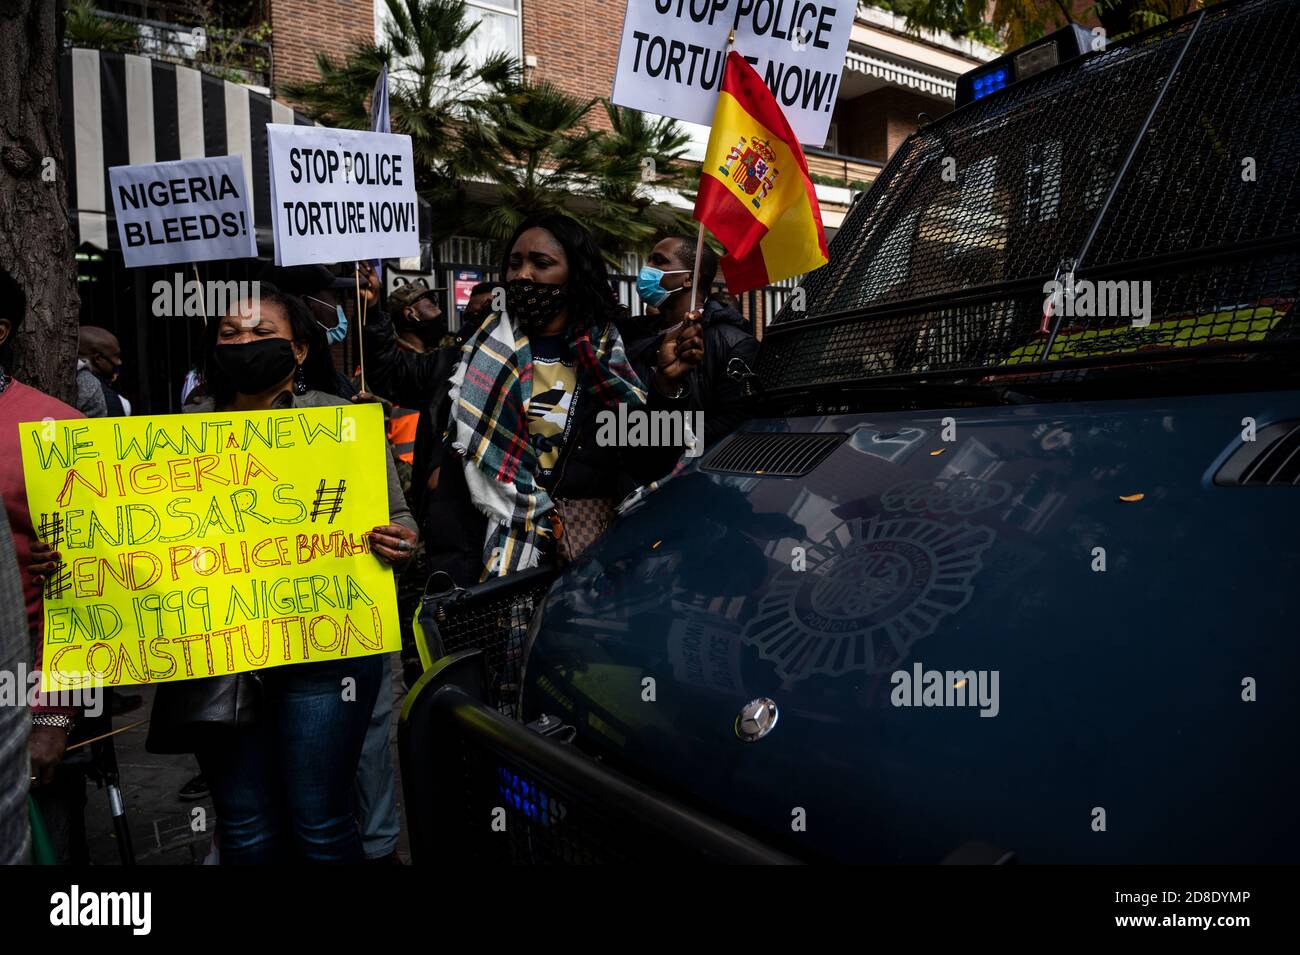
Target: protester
<point>418,318</point>
<point>419,326</point>
<point>522,410</point>
<point>15,723</point>
<point>408,378</point>
<point>475,310</point>
<point>59,792</point>
<point>665,285</point>
<point>283,786</point>
<point>329,299</point>
<point>411,380</point>
<point>99,364</point>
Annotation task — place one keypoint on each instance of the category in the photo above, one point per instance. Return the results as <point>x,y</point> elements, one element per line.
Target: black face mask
<point>428,332</point>
<point>255,367</point>
<point>534,304</point>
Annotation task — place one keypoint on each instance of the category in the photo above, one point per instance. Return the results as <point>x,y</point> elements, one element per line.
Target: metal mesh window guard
<point>492,617</point>
<point>942,265</point>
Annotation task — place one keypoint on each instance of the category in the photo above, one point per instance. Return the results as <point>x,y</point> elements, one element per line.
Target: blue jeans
<point>283,788</point>
<point>376,786</point>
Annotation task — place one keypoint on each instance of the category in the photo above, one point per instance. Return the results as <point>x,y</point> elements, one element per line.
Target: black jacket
<point>722,397</point>
<point>727,336</point>
<point>416,380</point>
<point>455,530</point>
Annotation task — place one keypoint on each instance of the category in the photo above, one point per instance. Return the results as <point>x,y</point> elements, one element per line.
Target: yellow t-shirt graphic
<point>555,394</point>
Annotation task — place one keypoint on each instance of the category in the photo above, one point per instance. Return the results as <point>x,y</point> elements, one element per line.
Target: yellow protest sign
<point>199,545</point>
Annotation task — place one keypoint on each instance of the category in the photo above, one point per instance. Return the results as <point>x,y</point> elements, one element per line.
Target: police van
<point>1002,566</point>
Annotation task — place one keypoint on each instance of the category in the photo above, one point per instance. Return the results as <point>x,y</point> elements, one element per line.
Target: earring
<point>299,381</point>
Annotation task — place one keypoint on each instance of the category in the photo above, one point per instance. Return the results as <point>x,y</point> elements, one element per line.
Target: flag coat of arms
<point>755,193</point>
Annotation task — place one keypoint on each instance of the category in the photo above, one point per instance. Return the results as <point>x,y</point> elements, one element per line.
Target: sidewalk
<point>162,825</point>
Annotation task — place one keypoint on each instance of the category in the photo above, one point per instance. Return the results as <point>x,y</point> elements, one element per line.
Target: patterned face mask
<point>534,304</point>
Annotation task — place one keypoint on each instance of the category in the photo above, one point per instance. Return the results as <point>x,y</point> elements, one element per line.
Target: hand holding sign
<point>392,543</point>
<point>369,283</point>
<point>207,544</point>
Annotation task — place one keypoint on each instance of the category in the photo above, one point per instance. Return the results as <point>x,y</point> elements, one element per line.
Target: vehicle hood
<point>1139,619</point>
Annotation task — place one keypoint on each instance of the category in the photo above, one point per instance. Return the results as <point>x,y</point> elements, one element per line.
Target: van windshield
<point>1140,203</point>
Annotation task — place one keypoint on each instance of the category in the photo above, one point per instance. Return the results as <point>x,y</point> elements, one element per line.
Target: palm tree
<point>536,145</point>
<point>433,90</point>
<point>643,161</point>
<point>529,148</point>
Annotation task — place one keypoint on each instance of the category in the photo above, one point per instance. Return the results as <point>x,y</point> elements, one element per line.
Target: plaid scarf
<point>490,392</point>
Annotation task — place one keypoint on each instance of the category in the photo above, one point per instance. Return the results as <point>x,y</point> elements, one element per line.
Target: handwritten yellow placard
<point>197,545</point>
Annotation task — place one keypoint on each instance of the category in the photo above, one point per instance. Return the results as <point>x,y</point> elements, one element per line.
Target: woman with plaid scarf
<point>521,413</point>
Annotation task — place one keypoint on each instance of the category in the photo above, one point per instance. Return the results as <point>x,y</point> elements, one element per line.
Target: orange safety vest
<point>401,433</point>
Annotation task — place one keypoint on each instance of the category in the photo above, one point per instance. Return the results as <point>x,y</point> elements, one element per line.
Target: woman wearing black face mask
<point>521,465</point>
<point>280,747</point>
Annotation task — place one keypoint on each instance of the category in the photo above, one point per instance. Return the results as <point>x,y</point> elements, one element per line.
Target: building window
<point>499,28</point>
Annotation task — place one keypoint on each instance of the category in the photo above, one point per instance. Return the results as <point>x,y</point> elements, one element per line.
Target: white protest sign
<point>341,195</point>
<point>670,60</point>
<point>188,210</point>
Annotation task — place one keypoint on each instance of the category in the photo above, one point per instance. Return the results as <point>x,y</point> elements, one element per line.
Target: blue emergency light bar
<point>1052,50</point>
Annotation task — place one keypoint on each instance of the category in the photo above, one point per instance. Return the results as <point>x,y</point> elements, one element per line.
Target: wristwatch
<point>60,720</point>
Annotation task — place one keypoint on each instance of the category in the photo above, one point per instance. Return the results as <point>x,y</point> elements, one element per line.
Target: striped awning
<point>901,73</point>
<point>120,109</point>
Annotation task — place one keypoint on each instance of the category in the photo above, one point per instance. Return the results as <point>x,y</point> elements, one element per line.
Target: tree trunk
<point>35,233</point>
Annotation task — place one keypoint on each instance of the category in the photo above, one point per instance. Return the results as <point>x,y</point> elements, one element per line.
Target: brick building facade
<point>300,29</point>
<point>574,43</point>
<point>890,76</point>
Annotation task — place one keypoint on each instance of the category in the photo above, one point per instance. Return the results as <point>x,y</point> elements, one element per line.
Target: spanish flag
<point>755,194</point>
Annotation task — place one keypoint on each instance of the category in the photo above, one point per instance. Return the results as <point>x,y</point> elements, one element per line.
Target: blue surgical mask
<point>339,333</point>
<point>649,288</point>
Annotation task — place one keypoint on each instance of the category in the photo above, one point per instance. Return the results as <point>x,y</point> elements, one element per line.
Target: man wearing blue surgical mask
<point>665,284</point>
